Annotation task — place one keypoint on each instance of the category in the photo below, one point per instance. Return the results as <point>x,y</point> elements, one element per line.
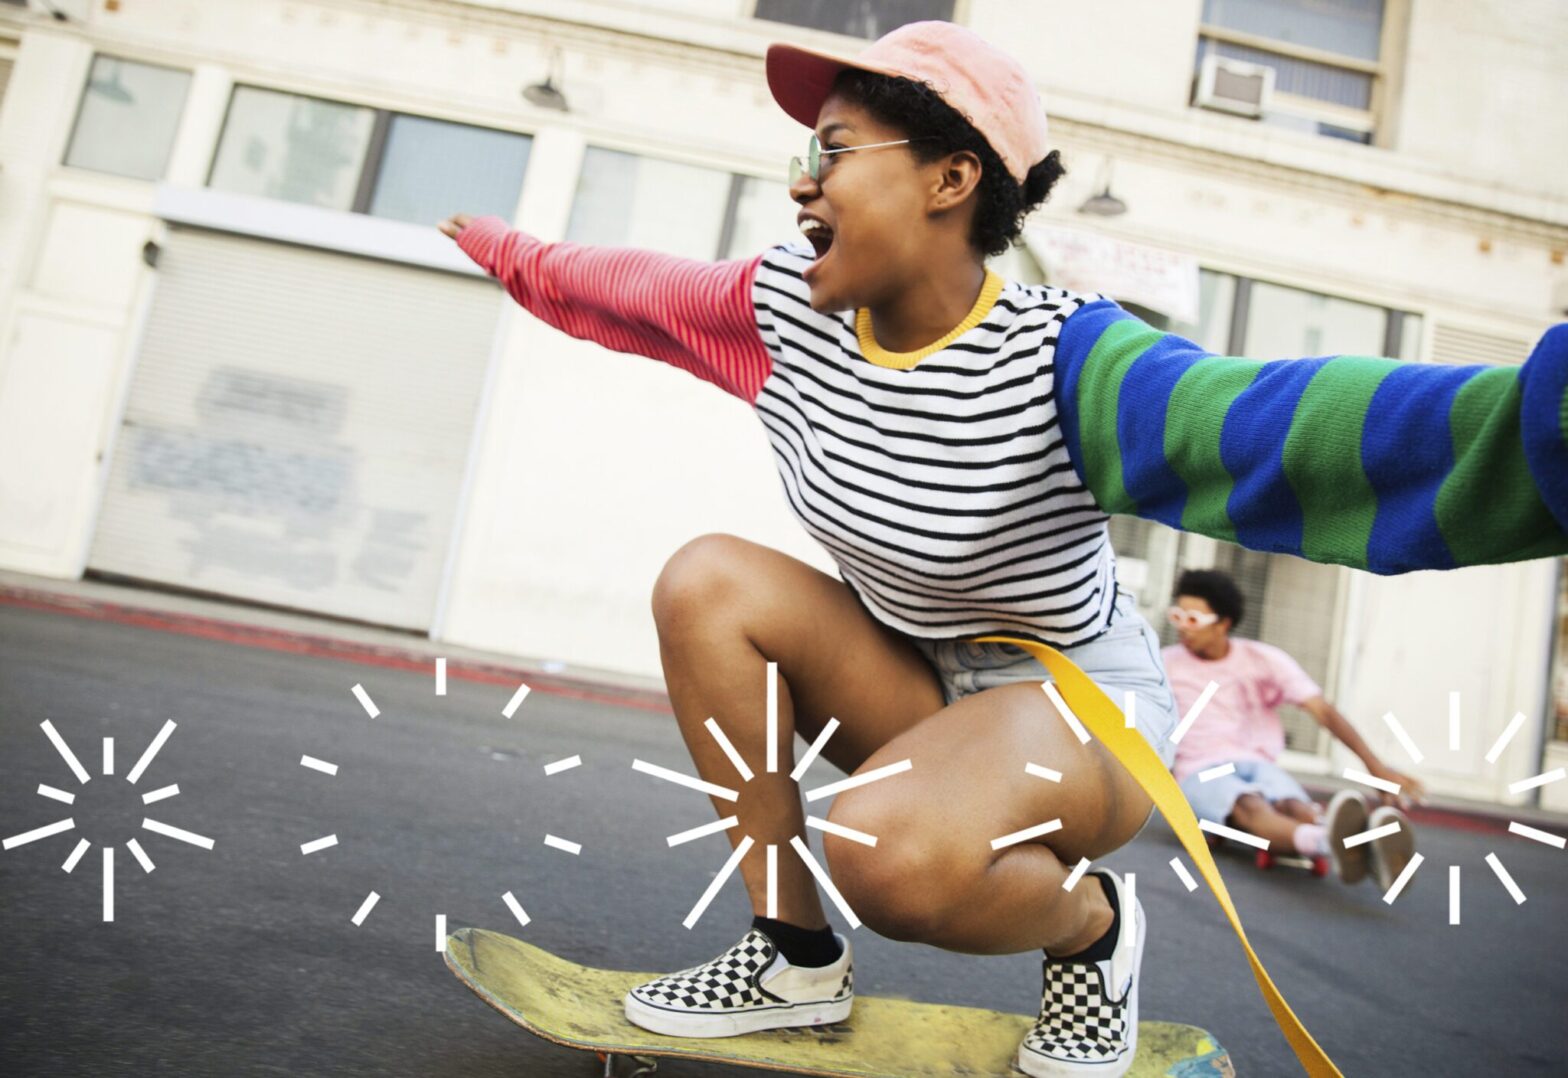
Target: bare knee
<point>906,887</point>
<point>1249,811</point>
<point>700,579</point>
<point>1299,810</point>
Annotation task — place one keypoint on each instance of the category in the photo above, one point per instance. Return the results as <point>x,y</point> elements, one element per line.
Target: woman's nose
<point>804,189</point>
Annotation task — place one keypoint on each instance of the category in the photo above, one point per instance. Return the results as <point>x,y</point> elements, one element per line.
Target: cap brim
<point>801,79</point>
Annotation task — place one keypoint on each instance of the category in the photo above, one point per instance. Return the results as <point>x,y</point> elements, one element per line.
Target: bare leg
<point>1298,810</point>
<point>1253,814</point>
<point>724,608</point>
<point>933,876</point>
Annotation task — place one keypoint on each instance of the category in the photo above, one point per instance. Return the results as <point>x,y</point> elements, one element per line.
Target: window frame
<point>81,105</point>
<point>1386,72</point>
<point>960,16</point>
<point>375,145</point>
<point>10,49</point>
<point>737,175</point>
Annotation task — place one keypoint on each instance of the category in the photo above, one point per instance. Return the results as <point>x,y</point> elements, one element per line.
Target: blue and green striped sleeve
<point>1360,461</point>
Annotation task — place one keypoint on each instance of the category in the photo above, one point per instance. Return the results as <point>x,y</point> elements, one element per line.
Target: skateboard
<point>581,1007</point>
<point>1265,859</point>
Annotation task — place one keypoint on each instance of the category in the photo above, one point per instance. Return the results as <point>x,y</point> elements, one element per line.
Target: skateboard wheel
<point>1264,859</point>
<point>626,1066</point>
<point>1320,866</point>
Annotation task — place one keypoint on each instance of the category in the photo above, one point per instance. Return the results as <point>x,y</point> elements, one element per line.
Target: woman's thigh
<point>968,785</point>
<point>836,660</point>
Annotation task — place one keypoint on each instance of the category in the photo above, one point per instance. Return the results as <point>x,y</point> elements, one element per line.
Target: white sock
<point>1311,839</point>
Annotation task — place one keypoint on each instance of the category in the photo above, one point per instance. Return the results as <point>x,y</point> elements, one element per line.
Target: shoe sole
<point>1391,853</point>
<point>1347,816</point>
<point>1039,1066</point>
<point>700,1025</point>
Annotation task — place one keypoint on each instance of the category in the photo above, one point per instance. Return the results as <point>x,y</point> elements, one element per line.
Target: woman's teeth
<point>819,235</point>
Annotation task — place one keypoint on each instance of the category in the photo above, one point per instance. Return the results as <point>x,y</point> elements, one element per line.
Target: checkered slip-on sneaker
<point>747,988</point>
<point>1088,1022</point>
<point>1347,816</point>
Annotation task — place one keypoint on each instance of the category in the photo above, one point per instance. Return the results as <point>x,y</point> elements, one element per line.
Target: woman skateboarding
<point>955,441</point>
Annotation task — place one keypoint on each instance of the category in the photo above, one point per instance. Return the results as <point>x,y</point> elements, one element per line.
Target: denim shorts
<point>1125,657</point>
<point>1214,799</point>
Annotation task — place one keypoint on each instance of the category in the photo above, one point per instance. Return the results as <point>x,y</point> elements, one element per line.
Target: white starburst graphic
<point>1514,827</point>
<point>83,777</point>
<point>1408,744</point>
<point>746,843</point>
<point>327,842</point>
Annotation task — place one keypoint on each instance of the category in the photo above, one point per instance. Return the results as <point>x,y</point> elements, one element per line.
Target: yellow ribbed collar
<point>903,361</point>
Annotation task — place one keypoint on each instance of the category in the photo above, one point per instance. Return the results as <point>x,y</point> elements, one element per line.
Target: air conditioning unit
<point>1234,86</point>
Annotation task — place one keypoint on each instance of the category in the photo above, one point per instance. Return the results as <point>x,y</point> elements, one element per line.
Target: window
<point>430,169</point>
<point>856,18</point>
<point>1290,322</point>
<point>297,149</point>
<point>624,200</point>
<point>347,157</point>
<point>1327,57</point>
<point>128,118</point>
<point>7,62</point>
<point>1291,602</point>
<point>762,215</point>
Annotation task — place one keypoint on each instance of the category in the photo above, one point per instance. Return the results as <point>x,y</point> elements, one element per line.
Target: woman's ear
<point>957,178</point>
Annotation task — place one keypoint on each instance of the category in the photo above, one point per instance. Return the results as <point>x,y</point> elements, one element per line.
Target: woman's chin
<point>826,299</point>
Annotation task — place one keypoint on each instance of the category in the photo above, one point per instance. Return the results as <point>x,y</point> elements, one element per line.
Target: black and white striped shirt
<point>943,491</point>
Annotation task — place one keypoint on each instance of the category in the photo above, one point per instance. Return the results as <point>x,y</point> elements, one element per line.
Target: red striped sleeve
<point>697,316</point>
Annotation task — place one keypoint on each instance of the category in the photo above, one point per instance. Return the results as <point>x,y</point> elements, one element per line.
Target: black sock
<point>801,946</point>
<point>1101,949</point>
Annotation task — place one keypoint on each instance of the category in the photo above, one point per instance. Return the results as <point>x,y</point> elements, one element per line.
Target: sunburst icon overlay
<point>373,898</point>
<point>1212,827</point>
<point>746,843</point>
<point>1406,742</point>
<point>83,776</point>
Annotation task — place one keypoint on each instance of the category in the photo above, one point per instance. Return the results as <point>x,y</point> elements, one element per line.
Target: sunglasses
<point>812,165</point>
<point>1183,618</point>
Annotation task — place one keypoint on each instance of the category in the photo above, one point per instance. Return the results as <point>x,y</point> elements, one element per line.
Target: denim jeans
<point>1124,658</point>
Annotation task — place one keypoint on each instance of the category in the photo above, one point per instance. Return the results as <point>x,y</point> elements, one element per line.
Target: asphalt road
<point>243,960</point>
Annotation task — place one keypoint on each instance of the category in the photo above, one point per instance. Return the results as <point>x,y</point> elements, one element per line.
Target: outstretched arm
<point>1366,462</point>
<point>1330,718</point>
<point>694,315</point>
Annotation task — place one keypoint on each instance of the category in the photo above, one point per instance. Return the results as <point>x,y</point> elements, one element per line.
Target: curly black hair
<point>1215,588</point>
<point>919,111</point>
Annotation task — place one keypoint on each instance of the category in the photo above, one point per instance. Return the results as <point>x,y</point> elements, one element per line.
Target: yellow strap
<point>1104,719</point>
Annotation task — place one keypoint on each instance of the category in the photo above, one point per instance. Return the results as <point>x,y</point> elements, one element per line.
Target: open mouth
<point>820,237</point>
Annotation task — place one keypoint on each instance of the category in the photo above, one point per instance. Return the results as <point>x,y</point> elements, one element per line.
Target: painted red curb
<point>320,646</point>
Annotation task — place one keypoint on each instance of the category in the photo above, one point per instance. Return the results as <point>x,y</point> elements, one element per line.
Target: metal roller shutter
<point>297,428</point>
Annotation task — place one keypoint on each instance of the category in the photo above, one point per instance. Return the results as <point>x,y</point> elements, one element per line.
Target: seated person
<point>1239,726</point>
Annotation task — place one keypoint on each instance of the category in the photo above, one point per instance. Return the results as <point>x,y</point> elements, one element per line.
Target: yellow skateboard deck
<point>581,1007</point>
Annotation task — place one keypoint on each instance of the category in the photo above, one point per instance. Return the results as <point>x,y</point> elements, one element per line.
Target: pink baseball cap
<point>985,85</point>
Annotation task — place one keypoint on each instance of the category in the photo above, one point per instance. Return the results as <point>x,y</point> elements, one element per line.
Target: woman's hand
<point>454,224</point>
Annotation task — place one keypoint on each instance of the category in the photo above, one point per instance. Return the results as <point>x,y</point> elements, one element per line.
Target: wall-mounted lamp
<point>1104,204</point>
<point>546,94</point>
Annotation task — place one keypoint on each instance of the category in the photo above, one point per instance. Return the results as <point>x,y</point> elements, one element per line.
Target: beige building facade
<point>236,356</point>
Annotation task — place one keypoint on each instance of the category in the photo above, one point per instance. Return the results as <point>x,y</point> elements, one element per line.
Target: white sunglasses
<point>1183,618</point>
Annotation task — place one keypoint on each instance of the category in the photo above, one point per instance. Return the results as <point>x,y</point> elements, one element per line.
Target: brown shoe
<point>1391,853</point>
<point>1347,816</point>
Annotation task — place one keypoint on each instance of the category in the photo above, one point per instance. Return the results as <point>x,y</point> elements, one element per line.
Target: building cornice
<point>1357,177</point>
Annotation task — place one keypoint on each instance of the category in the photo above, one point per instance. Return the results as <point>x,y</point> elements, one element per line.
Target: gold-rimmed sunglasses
<point>812,165</point>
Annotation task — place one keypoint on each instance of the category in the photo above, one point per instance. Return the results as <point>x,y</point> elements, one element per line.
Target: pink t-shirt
<point>1239,722</point>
